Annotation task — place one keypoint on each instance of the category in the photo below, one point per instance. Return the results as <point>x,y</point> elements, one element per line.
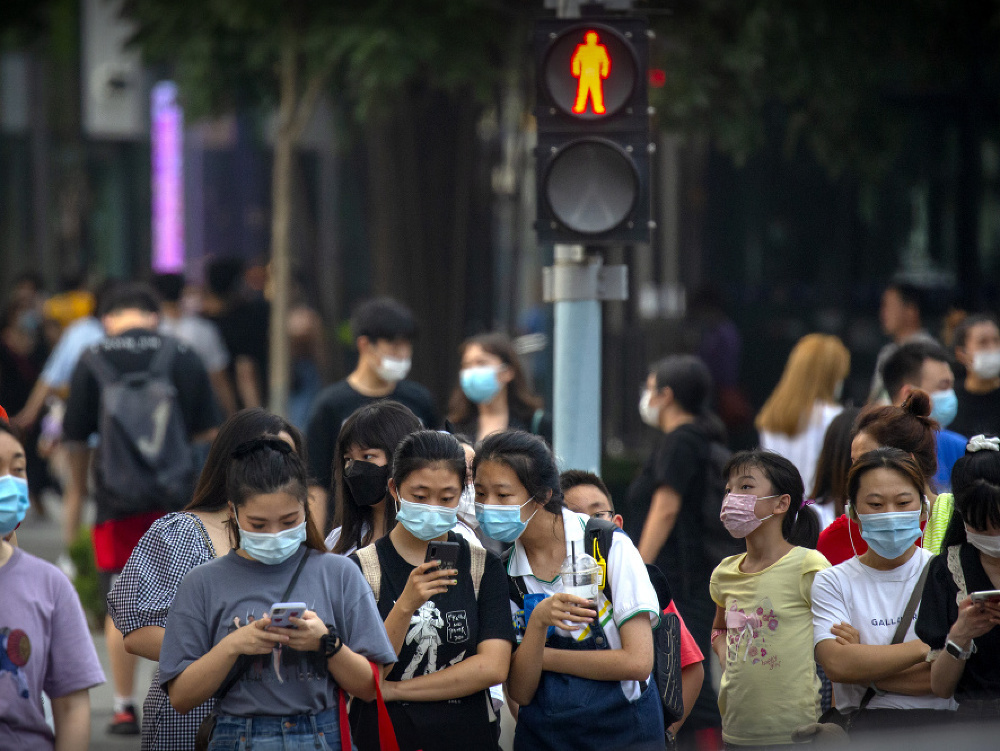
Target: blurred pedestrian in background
<point>901,315</point>
<point>493,393</point>
<point>977,348</point>
<point>383,330</point>
<point>795,416</point>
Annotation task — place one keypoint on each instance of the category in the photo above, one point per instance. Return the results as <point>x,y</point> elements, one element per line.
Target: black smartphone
<point>446,552</point>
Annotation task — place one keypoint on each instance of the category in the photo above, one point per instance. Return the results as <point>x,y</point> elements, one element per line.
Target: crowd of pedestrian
<point>370,575</point>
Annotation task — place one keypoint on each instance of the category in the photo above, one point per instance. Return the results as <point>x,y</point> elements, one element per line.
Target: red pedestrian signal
<point>591,65</point>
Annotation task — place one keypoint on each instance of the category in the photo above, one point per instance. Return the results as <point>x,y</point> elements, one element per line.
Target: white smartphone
<point>987,595</point>
<point>281,612</point>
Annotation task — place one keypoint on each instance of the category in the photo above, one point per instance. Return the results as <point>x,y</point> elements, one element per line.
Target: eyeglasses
<point>602,515</point>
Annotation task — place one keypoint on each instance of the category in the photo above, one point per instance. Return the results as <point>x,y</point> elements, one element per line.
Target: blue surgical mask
<point>479,384</point>
<point>272,548</point>
<point>944,407</point>
<point>502,523</point>
<point>13,503</point>
<point>890,534</point>
<point>426,522</point>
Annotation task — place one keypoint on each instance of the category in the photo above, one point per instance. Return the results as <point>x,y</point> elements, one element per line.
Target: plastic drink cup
<point>581,576</point>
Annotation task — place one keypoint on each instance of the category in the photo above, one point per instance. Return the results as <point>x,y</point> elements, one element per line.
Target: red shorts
<point>115,539</point>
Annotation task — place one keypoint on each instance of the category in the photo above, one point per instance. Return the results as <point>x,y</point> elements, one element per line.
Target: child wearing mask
<point>762,633</point>
<point>961,631</point>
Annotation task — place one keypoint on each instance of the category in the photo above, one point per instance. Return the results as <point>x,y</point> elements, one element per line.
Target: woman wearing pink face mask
<point>763,632</point>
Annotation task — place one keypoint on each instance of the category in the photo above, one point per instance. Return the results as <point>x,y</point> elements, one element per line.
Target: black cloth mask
<point>367,483</point>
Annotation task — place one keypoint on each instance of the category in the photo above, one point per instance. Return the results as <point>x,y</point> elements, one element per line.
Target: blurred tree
<point>415,73</point>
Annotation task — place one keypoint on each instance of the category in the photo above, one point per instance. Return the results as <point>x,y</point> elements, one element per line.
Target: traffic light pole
<point>577,284</point>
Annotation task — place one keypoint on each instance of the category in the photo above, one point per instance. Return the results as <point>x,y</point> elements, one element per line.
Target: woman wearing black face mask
<point>361,474</point>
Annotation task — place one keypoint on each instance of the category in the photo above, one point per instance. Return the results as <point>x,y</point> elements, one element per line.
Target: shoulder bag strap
<point>204,534</point>
<point>478,555</point>
<point>903,626</point>
<point>243,662</point>
<point>368,557</point>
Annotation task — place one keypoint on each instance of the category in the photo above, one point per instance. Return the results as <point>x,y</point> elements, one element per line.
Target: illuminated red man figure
<point>591,65</point>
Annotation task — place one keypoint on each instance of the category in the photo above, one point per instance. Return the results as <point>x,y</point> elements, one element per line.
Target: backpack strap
<point>163,360</point>
<point>368,557</point>
<point>103,371</point>
<point>597,538</point>
<point>478,555</point>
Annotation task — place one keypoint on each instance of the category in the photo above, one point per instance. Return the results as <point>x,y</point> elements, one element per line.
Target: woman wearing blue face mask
<point>450,627</point>
<point>587,684</point>
<point>270,682</point>
<point>493,392</point>
<point>881,679</point>
<point>44,641</point>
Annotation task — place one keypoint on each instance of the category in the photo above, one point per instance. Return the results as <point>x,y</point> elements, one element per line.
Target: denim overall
<point>569,713</point>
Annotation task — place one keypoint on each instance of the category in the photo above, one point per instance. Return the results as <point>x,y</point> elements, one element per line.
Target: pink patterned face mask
<point>738,515</point>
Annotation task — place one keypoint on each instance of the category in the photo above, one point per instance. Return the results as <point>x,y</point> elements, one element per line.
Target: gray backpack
<point>144,460</point>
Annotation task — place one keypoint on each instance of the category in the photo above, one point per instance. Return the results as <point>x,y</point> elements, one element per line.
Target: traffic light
<point>592,163</point>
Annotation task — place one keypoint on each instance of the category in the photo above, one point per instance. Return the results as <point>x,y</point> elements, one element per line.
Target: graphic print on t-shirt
<point>747,633</point>
<point>15,651</point>
<point>424,625</point>
<point>283,664</point>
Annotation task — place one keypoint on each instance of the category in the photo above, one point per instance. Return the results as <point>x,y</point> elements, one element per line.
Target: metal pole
<point>577,375</point>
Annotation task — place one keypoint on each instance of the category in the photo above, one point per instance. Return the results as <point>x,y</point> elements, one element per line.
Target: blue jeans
<point>318,732</point>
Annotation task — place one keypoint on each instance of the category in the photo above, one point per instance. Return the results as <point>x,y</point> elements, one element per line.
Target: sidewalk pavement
<point>43,537</point>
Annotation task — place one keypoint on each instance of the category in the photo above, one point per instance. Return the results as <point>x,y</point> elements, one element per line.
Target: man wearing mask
<point>924,366</point>
<point>383,330</point>
<point>977,347</point>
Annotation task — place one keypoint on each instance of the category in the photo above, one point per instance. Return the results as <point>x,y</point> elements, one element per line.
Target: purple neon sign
<point>168,179</point>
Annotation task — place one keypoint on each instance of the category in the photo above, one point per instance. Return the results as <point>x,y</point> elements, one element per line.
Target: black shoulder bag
<point>207,727</point>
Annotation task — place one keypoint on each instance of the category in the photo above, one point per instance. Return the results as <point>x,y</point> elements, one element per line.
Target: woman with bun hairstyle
<point>279,685</point>
<point>588,685</point>
<point>450,626</point>
<point>908,428</point>
<point>142,596</point>
<point>493,392</point>
<point>880,682</point>
<point>361,467</point>
<point>961,631</point>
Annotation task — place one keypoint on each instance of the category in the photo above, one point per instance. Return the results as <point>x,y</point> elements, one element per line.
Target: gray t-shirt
<point>219,596</point>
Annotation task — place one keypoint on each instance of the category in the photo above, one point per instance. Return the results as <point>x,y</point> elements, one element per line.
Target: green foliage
<point>839,76</point>
<point>81,552</point>
<point>225,53</point>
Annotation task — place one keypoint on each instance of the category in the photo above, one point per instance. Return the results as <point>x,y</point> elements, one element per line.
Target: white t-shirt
<point>630,586</point>
<point>802,449</point>
<point>873,602</point>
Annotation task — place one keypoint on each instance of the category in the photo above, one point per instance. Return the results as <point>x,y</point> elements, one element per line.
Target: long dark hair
<point>427,448</point>
<point>210,492</point>
<point>268,465</point>
<point>975,481</point>
<point>830,486</point>
<point>521,400</point>
<point>529,457</point>
<point>379,425</point>
<point>800,525</point>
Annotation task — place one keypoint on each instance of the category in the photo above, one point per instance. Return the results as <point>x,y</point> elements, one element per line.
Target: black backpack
<point>144,460</point>
<point>717,542</point>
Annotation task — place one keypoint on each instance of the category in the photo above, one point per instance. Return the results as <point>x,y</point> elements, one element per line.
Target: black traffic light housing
<point>592,162</point>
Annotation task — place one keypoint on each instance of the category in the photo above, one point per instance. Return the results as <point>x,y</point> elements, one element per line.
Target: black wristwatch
<point>330,643</point>
<point>957,652</point>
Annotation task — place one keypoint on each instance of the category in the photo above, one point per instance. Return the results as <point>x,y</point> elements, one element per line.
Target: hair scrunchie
<point>981,442</point>
<point>259,444</point>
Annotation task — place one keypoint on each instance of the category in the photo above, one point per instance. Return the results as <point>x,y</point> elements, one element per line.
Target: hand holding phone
<point>446,552</point>
<point>987,595</point>
<point>282,612</point>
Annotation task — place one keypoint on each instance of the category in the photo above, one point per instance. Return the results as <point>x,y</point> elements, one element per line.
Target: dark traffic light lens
<point>591,186</point>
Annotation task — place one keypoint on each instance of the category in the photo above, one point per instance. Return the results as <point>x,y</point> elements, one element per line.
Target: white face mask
<point>649,414</point>
<point>985,544</point>
<point>392,369</point>
<point>986,364</point>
